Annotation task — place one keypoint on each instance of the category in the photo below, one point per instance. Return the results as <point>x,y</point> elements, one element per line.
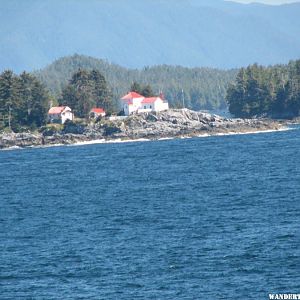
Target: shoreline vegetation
<point>174,123</point>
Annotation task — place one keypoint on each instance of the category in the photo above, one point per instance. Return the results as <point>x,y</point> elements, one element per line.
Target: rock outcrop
<point>154,125</point>
<point>183,122</point>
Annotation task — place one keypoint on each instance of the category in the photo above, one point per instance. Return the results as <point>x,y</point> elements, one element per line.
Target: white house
<point>136,103</point>
<point>60,114</point>
<point>97,112</point>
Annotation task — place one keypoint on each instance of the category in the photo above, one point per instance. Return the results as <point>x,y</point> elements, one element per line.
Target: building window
<point>145,107</point>
<point>150,106</point>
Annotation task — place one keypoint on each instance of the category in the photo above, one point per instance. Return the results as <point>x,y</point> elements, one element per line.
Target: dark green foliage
<point>101,92</point>
<point>144,90</point>
<point>147,91</point>
<point>204,88</point>
<point>87,89</point>
<point>24,101</point>
<point>78,94</point>
<point>293,89</point>
<point>35,100</point>
<point>136,87</point>
<point>266,91</point>
<point>8,97</point>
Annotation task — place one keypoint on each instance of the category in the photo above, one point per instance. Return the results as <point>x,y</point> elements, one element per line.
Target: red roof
<point>98,110</point>
<point>150,99</point>
<point>132,95</point>
<point>56,110</point>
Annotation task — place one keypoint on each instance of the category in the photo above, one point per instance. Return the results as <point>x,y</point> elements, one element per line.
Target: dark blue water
<point>206,218</point>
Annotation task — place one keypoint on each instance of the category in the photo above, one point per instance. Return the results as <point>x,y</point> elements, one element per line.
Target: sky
<point>272,2</point>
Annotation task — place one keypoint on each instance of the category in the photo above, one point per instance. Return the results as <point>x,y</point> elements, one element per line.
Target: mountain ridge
<point>135,33</point>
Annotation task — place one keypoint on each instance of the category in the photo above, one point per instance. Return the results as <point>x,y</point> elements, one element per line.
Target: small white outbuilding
<point>60,114</point>
<point>97,112</point>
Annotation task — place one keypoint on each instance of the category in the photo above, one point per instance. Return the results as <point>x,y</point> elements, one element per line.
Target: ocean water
<point>202,218</point>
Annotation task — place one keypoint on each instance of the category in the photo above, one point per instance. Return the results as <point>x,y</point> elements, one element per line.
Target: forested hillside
<point>137,33</point>
<point>203,88</point>
<point>266,91</point>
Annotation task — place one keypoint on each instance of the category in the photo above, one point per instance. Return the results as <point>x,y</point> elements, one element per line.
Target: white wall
<point>159,105</point>
<point>66,115</point>
<point>139,107</point>
<point>129,109</point>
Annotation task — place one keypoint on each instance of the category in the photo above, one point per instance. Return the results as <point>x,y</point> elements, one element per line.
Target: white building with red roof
<point>60,114</point>
<point>136,103</point>
<point>97,112</point>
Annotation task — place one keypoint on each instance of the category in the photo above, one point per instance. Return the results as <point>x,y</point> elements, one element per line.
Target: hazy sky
<point>276,2</point>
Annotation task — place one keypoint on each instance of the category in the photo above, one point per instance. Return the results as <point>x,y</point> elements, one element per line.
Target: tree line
<point>266,91</point>
<point>24,100</point>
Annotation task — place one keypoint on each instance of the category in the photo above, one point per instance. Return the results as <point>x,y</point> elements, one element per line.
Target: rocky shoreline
<point>154,125</point>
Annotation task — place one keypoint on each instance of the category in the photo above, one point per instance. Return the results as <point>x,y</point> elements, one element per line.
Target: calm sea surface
<point>203,218</point>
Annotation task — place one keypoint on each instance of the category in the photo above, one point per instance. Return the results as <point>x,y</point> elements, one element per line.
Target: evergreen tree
<point>293,88</point>
<point>101,92</point>
<point>79,94</point>
<point>136,87</point>
<point>236,94</point>
<point>40,103</point>
<point>9,96</point>
<point>87,89</point>
<point>69,97</point>
<point>23,99</point>
<point>144,90</point>
<point>147,91</point>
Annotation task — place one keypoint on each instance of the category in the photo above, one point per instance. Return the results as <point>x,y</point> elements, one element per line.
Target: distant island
<point>28,108</point>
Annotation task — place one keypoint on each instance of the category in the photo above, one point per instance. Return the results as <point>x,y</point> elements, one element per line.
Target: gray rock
<point>154,125</point>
